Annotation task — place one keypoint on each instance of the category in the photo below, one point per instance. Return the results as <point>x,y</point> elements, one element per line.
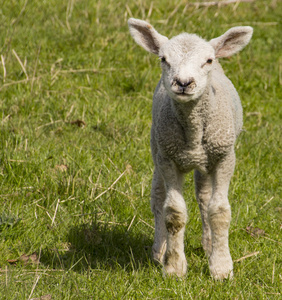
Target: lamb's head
<point>186,62</point>
<point>186,59</point>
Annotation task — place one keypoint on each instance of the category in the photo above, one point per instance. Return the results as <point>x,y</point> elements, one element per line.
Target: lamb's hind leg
<point>219,214</point>
<point>158,195</point>
<point>203,187</point>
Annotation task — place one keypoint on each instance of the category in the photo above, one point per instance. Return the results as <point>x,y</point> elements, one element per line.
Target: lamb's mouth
<point>185,93</point>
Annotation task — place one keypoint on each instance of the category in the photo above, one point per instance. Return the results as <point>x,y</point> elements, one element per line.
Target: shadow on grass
<point>108,247</point>
<point>103,247</point>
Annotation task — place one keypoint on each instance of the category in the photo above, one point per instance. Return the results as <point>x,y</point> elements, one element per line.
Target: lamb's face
<point>186,62</point>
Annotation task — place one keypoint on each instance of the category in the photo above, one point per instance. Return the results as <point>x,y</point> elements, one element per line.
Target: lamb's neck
<point>191,116</point>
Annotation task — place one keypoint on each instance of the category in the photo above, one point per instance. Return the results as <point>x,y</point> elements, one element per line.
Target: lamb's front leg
<point>158,196</point>
<point>203,187</point>
<point>175,217</point>
<point>219,214</point>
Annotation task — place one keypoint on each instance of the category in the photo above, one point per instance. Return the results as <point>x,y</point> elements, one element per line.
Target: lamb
<point>197,115</point>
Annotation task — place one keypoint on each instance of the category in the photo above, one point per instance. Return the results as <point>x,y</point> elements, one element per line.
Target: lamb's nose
<point>184,84</point>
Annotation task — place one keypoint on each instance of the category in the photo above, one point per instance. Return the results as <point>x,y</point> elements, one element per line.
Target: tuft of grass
<point>75,164</point>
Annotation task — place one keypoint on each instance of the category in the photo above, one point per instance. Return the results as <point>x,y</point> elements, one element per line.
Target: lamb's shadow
<point>94,246</point>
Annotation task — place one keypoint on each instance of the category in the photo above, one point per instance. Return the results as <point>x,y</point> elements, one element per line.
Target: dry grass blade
<point>131,223</point>
<point>33,287</point>
<point>48,124</point>
<point>4,68</point>
<point>55,213</point>
<point>247,256</point>
<point>45,297</point>
<point>266,202</point>
<point>18,82</point>
<point>111,186</point>
<point>220,3</point>
<point>21,64</point>
<point>78,71</point>
<point>146,224</point>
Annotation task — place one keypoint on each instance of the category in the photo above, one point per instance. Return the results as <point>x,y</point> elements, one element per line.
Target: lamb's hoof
<point>158,257</point>
<point>221,267</point>
<point>175,265</point>
<point>178,271</point>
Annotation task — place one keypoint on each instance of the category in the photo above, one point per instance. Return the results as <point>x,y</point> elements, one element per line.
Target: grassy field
<point>75,163</point>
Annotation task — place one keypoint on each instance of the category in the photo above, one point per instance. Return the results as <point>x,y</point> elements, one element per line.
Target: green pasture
<point>75,163</point>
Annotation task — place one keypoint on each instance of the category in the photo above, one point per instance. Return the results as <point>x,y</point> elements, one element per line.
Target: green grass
<point>78,196</point>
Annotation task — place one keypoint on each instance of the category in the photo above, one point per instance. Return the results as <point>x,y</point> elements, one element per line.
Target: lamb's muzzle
<point>184,87</point>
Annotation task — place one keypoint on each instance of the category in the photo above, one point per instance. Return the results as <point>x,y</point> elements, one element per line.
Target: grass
<point>75,164</point>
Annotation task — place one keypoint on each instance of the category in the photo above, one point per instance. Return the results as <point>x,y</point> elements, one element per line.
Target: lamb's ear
<point>145,35</point>
<point>232,41</point>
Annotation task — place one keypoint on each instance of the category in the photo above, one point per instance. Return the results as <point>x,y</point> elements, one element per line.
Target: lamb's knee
<point>219,216</point>
<point>174,220</point>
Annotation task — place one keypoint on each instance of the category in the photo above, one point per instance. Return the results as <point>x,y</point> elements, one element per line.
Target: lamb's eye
<point>209,61</point>
<point>164,61</point>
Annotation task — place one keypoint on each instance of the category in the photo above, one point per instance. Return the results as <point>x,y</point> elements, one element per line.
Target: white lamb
<point>197,116</point>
